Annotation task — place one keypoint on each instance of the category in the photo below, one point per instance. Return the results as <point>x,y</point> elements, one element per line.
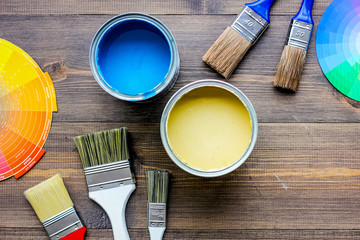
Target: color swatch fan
<point>27,100</point>
<point>338,46</point>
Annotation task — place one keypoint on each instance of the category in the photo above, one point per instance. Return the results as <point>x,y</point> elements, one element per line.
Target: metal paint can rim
<point>182,92</point>
<point>174,67</point>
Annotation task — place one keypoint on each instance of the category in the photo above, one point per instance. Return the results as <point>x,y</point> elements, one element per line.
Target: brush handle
<point>156,233</point>
<point>304,13</point>
<point>113,201</point>
<point>262,7</point>
<point>77,235</point>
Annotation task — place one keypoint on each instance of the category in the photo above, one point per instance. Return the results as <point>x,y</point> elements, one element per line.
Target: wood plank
<point>54,47</point>
<point>102,234</point>
<point>300,176</point>
<point>44,7</point>
<point>301,182</point>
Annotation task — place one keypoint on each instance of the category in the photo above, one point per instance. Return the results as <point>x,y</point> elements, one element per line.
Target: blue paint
<point>133,57</point>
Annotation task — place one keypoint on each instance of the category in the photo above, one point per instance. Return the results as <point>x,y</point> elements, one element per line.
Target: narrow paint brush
<point>232,45</point>
<point>294,54</point>
<point>157,186</point>
<point>53,206</point>
<point>105,158</point>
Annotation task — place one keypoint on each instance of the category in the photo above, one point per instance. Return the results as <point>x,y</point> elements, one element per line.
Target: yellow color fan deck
<point>27,100</point>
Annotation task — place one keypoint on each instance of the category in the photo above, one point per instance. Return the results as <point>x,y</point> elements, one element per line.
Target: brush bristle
<point>49,198</point>
<point>290,68</point>
<point>227,51</point>
<point>102,147</point>
<point>157,185</point>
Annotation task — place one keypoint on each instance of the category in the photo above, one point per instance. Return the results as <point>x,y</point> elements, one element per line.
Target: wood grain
<point>317,163</point>
<point>44,7</point>
<point>52,45</point>
<point>301,181</point>
<point>102,234</point>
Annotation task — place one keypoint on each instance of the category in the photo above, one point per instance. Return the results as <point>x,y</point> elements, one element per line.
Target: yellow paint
<point>209,128</point>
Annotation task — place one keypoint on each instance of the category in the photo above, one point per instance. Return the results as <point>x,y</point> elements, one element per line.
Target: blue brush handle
<point>304,13</point>
<point>262,7</point>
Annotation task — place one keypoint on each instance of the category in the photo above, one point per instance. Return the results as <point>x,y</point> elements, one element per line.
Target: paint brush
<point>52,204</point>
<point>229,49</point>
<point>294,54</point>
<point>105,158</point>
<point>157,186</point>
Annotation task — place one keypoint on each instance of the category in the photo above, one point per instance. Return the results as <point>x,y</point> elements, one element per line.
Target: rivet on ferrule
<point>156,214</point>
<point>108,175</point>
<point>250,24</point>
<point>62,224</point>
<point>299,34</point>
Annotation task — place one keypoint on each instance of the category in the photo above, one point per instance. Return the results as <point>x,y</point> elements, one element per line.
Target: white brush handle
<point>114,201</point>
<point>156,233</point>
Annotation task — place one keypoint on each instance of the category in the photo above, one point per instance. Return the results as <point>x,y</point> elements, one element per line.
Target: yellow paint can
<point>209,128</point>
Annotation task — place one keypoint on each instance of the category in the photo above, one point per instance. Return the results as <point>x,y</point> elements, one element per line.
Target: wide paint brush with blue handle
<point>229,49</point>
<point>294,54</point>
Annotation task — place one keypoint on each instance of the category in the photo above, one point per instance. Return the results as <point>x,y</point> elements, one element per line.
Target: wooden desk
<point>301,182</point>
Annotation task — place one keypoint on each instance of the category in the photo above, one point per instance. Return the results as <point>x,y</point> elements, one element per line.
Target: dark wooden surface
<point>301,181</point>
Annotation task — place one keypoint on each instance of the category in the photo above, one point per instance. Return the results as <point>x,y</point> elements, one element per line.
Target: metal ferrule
<point>156,214</point>
<point>250,24</point>
<point>62,224</point>
<point>299,34</point>
<point>108,175</point>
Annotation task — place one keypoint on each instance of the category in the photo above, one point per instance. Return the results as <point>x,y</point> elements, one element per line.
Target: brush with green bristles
<point>105,158</point>
<point>53,206</point>
<point>158,187</point>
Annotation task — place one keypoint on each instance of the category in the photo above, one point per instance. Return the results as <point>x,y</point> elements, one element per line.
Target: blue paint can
<point>134,57</point>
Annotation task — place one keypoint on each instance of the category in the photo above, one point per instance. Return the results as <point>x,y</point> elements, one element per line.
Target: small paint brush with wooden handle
<point>232,45</point>
<point>294,54</point>
<point>53,206</point>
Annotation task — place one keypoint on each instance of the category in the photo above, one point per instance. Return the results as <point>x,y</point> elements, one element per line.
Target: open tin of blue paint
<point>134,57</point>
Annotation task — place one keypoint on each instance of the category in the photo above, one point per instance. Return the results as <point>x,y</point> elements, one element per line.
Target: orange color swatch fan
<point>27,100</point>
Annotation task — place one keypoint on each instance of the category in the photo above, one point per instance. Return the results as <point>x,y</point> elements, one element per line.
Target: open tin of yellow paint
<point>209,128</point>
